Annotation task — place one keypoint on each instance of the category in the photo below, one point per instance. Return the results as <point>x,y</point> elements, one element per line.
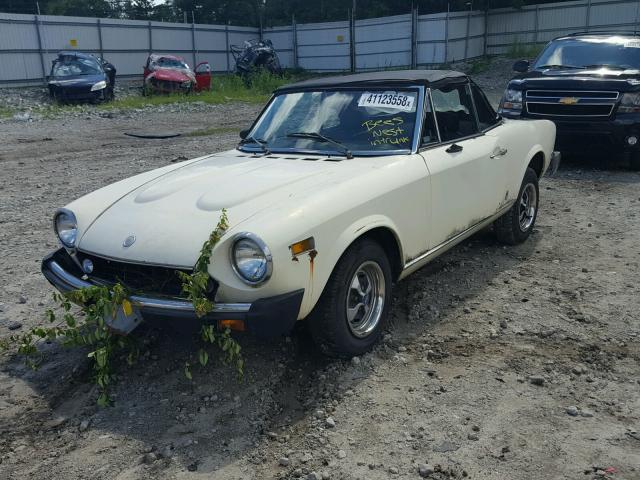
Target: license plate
<point>124,323</point>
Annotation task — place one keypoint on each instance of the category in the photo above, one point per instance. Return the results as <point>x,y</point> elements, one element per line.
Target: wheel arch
<point>378,228</point>
<point>537,162</point>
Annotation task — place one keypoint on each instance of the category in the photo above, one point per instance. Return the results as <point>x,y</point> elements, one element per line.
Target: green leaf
<point>203,357</point>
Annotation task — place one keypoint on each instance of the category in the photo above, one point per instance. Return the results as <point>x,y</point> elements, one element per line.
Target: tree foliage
<point>249,12</point>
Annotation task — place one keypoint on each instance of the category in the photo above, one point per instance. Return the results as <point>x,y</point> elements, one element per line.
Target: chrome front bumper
<point>266,317</point>
<point>65,282</point>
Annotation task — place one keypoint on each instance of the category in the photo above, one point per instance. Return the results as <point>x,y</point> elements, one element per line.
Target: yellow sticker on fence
<point>73,42</point>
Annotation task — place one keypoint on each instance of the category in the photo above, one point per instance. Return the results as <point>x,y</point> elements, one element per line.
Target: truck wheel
<point>634,161</point>
<point>353,310</point>
<point>516,225</point>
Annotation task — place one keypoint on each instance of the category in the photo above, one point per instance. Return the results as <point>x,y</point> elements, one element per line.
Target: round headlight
<point>251,259</point>
<point>66,228</point>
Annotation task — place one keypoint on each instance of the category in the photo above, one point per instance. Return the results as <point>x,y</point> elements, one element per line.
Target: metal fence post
<point>486,30</point>
<point>226,41</point>
<point>446,35</point>
<point>36,22</point>
<point>193,40</point>
<point>294,40</point>
<point>150,37</point>
<point>588,15</point>
<point>537,22</point>
<point>352,40</point>
<point>414,38</point>
<point>466,38</point>
<point>99,26</point>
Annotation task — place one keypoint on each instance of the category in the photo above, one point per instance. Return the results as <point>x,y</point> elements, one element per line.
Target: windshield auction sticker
<point>632,44</point>
<point>388,100</point>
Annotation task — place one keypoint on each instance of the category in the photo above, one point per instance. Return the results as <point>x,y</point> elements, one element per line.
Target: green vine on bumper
<point>97,303</point>
<point>196,286</point>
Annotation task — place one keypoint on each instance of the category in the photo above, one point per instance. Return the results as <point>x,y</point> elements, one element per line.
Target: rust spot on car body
<point>312,256</point>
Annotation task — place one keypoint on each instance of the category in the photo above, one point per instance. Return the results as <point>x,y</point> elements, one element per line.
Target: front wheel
<point>516,225</point>
<point>353,310</point>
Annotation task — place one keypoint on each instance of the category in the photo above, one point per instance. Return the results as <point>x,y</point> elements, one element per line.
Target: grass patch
<point>520,50</point>
<point>5,112</point>
<point>224,89</point>
<point>480,65</point>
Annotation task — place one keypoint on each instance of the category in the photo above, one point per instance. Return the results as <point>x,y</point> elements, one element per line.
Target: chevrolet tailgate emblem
<point>568,100</point>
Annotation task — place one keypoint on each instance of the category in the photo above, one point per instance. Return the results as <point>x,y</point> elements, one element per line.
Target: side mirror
<point>521,66</point>
<point>244,133</point>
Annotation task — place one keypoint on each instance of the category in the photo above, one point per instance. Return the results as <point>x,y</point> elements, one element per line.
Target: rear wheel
<point>354,307</point>
<point>634,161</point>
<point>516,225</point>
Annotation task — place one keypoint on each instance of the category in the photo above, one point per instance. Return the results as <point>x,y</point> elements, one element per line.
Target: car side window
<point>487,116</point>
<point>454,112</point>
<point>429,130</point>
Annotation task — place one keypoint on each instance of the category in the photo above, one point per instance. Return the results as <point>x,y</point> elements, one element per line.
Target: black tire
<point>329,324</point>
<point>511,227</point>
<point>634,161</point>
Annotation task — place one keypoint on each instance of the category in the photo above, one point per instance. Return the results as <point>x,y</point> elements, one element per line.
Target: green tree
<point>82,8</point>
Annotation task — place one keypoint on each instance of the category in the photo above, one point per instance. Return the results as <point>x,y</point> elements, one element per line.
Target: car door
<point>203,76</point>
<point>467,184</point>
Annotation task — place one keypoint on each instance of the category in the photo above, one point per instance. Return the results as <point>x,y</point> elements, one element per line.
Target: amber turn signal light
<point>302,246</point>
<point>237,325</point>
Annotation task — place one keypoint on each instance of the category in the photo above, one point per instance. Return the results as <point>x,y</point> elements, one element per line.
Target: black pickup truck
<point>588,84</point>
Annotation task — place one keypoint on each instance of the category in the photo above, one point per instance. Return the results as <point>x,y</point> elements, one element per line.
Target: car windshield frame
<point>67,60</point>
<point>616,41</point>
<point>333,151</point>
<point>179,64</point>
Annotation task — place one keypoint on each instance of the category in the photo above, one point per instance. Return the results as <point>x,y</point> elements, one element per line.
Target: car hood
<point>76,80</point>
<point>173,75</point>
<point>599,79</point>
<point>177,211</point>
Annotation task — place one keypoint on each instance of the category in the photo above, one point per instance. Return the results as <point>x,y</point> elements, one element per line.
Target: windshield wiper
<point>561,66</point>
<point>323,138</point>
<point>258,141</point>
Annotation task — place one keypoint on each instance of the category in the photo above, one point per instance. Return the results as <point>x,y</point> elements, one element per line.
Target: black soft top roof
<point>427,78</point>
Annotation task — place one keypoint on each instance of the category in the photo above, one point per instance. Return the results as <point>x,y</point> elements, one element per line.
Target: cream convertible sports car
<point>340,188</point>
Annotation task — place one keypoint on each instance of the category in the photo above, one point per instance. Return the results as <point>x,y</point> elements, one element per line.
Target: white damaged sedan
<point>342,187</point>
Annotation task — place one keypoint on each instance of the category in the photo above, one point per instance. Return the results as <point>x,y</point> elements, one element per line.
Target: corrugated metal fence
<point>28,43</point>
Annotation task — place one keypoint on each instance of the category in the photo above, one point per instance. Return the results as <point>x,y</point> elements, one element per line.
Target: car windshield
<point>164,62</point>
<point>343,122</point>
<point>591,52</point>
<point>71,66</point>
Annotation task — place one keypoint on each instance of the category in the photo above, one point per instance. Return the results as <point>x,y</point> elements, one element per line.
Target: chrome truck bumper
<point>554,163</point>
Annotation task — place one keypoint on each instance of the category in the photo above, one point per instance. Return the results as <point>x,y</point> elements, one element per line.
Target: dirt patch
<point>513,363</point>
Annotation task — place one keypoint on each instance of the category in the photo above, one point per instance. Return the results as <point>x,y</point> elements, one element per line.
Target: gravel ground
<point>502,363</point>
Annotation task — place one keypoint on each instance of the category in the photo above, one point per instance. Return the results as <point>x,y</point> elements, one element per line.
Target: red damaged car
<point>171,74</point>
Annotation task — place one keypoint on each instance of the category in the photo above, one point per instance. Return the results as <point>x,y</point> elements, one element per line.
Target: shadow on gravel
<point>209,423</point>
<point>612,165</point>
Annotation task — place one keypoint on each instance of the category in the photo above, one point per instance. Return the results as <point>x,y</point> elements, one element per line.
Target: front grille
<point>565,103</point>
<point>569,110</point>
<point>147,279</point>
<point>167,86</point>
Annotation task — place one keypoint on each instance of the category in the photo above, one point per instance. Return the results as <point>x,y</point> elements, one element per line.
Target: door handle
<point>501,152</point>
<point>454,148</point>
